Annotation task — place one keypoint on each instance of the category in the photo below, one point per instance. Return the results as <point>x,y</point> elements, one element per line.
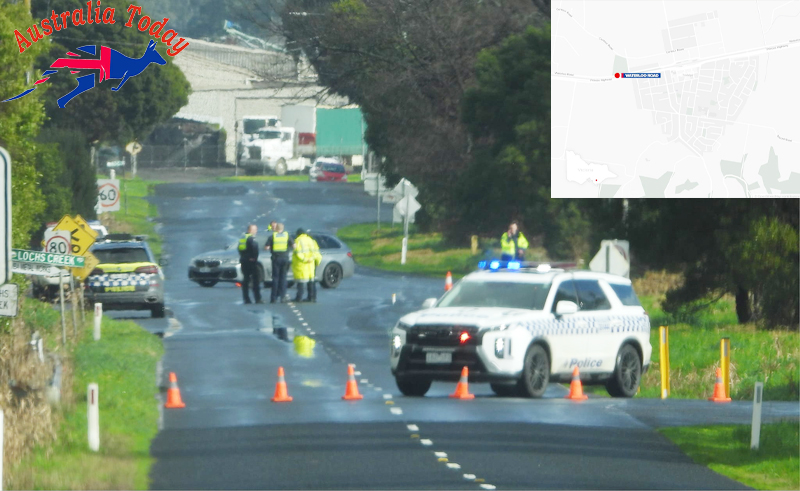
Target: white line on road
<point>364,381</point>
<point>426,442</point>
<point>387,396</point>
<point>453,465</point>
<point>412,427</point>
<point>440,454</point>
<point>396,410</point>
<point>488,486</point>
<point>471,477</point>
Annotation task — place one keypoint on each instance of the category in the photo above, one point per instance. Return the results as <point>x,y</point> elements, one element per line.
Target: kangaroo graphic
<point>112,65</point>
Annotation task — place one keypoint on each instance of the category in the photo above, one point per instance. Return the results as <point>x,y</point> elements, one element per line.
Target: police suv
<point>521,325</point>
<point>127,277</point>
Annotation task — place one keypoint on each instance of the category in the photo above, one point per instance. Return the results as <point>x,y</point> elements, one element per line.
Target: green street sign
<point>40,257</point>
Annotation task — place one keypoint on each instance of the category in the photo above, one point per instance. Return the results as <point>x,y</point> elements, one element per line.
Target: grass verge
<point>726,450</point>
<point>427,252</point>
<point>123,364</point>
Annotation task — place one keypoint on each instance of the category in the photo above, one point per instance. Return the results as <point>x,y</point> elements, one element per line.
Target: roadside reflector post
<point>725,364</point>
<point>98,318</point>
<point>394,298</point>
<point>755,431</point>
<point>73,294</point>
<point>403,252</point>
<point>92,394</point>
<point>663,344</point>
<point>61,297</point>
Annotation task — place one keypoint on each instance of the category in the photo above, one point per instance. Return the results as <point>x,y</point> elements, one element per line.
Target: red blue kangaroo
<point>112,65</point>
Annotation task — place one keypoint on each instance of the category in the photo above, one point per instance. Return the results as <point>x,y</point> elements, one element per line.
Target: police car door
<point>567,345</point>
<point>596,307</point>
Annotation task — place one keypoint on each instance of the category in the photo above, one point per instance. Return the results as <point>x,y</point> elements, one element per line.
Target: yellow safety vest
<point>243,242</point>
<point>507,244</point>
<point>280,242</point>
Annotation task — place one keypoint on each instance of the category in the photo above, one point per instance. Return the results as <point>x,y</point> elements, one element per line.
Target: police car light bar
<point>542,267</point>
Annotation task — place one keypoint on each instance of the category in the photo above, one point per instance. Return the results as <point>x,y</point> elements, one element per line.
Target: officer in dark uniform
<point>281,246</point>
<point>248,258</point>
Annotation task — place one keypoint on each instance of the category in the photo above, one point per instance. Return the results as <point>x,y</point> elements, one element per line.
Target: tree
<point>79,177</point>
<point>144,101</point>
<point>19,123</point>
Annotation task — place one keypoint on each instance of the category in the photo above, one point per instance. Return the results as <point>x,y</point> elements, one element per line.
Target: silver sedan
<point>211,267</point>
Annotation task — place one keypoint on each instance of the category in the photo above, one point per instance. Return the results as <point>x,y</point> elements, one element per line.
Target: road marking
<point>442,459</point>
<point>488,486</point>
<point>300,318</point>
<point>396,410</point>
<point>412,427</point>
<point>440,454</point>
<point>471,477</point>
<point>426,442</point>
<point>364,381</point>
<point>480,479</point>
<point>378,388</point>
<point>389,403</point>
<point>387,396</point>
<point>311,332</point>
<point>414,435</point>
<point>453,465</point>
<point>357,374</point>
<point>305,323</point>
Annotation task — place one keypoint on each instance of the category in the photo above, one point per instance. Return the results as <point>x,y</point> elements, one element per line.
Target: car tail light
<point>147,269</point>
<point>464,337</point>
<point>96,271</point>
<point>349,254</point>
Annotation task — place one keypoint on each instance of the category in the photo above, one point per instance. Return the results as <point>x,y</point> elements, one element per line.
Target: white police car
<point>522,325</point>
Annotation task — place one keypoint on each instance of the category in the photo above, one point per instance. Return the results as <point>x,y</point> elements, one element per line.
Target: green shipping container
<point>340,132</point>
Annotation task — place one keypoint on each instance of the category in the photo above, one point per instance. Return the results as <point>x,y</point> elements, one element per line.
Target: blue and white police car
<point>520,325</point>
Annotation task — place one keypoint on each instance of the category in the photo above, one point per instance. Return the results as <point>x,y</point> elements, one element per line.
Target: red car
<point>326,170</point>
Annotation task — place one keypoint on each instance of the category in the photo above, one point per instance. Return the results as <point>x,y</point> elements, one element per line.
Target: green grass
<point>726,450</point>
<point>123,364</point>
<point>427,252</point>
<point>136,213</point>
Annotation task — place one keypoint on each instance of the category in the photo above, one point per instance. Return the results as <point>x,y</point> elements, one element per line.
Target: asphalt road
<point>226,355</point>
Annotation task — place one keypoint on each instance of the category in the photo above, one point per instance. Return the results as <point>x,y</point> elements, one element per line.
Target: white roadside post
<point>755,431</point>
<point>92,395</point>
<point>98,318</point>
<point>72,295</point>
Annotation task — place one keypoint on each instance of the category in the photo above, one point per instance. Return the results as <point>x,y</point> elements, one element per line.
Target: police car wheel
<point>624,382</point>
<point>536,372</point>
<point>157,310</point>
<point>505,390</point>
<point>413,386</point>
<point>332,276</point>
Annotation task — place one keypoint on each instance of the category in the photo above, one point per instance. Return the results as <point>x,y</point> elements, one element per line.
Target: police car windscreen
<point>497,294</point>
<point>127,255</point>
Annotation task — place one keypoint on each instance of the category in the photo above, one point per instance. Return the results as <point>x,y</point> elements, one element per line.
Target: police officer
<point>280,244</point>
<point>513,244</point>
<point>271,226</point>
<point>305,259</point>
<point>248,258</point>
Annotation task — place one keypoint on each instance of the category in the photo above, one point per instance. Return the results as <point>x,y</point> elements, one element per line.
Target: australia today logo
<point>110,63</point>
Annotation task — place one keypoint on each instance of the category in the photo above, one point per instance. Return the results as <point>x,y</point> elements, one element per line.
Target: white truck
<point>275,150</point>
<point>251,125</point>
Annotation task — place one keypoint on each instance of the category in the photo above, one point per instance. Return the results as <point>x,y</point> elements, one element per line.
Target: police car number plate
<point>434,357</point>
<point>120,276</point>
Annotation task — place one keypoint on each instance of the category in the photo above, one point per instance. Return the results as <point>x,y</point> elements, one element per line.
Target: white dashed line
<point>387,396</point>
<point>411,427</point>
<point>311,332</point>
<point>305,324</point>
<point>364,381</point>
<point>357,374</point>
<point>378,388</point>
<point>471,477</point>
<point>396,410</point>
<point>426,442</point>
<point>488,486</point>
<point>440,454</point>
<point>453,465</point>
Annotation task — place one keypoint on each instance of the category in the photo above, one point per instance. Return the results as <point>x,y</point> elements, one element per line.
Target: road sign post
<point>61,297</point>
<point>5,218</point>
<point>73,294</point>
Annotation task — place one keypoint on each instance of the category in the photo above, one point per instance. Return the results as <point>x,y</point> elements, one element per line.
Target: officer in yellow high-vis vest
<point>305,259</point>
<point>281,246</point>
<point>513,244</point>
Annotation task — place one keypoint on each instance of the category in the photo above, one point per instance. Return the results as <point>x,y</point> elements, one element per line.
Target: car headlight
<point>231,262</point>
<point>502,346</point>
<point>397,342</point>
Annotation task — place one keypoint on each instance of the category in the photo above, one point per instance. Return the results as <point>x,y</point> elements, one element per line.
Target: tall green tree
<point>19,123</point>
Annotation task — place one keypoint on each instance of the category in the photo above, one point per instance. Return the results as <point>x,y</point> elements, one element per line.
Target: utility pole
<point>405,224</point>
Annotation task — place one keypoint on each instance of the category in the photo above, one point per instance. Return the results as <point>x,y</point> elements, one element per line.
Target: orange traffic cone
<point>351,392</point>
<point>281,394</point>
<point>575,387</point>
<point>719,390</point>
<point>448,282</point>
<point>462,388</point>
<point>173,393</point>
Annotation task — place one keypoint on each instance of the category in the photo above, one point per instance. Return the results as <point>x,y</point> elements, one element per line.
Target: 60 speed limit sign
<point>108,194</point>
<point>57,242</point>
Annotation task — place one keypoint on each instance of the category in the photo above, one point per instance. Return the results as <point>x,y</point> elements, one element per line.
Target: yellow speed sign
<point>90,262</point>
<point>82,234</point>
